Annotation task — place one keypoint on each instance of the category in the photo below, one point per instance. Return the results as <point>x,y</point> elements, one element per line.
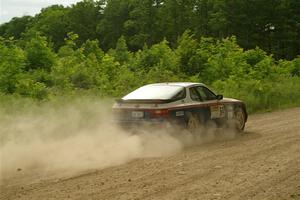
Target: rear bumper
<point>156,124</point>
<point>129,124</point>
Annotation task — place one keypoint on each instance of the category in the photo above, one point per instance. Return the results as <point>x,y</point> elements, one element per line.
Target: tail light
<point>159,113</point>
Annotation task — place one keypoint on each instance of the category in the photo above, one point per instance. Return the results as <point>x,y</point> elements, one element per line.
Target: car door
<point>210,106</point>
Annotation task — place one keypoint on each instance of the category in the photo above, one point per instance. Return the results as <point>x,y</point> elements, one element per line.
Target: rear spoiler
<point>145,101</point>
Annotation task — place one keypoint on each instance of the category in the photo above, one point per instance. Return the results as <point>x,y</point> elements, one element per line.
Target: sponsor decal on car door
<point>217,111</point>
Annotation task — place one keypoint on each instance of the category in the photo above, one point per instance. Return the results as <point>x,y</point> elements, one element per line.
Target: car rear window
<point>161,92</point>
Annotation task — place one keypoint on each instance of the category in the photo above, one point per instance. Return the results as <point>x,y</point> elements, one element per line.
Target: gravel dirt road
<point>264,163</point>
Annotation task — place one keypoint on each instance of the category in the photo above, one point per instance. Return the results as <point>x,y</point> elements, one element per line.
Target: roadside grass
<point>263,96</point>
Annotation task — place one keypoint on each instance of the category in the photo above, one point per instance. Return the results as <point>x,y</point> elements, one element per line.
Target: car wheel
<point>194,124</point>
<point>239,119</point>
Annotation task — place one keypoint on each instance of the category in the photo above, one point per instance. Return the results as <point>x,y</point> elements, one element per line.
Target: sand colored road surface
<point>264,163</point>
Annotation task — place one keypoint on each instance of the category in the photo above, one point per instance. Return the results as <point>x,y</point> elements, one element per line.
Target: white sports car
<point>189,105</point>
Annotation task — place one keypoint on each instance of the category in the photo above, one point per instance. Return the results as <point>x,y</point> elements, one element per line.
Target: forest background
<point>247,49</point>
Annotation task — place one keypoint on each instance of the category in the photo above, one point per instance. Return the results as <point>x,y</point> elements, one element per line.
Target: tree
<point>176,17</point>
<point>143,25</point>
<point>110,28</point>
<point>271,24</point>
<point>82,19</point>
<point>12,64</point>
<point>51,22</point>
<point>186,51</point>
<point>15,27</point>
<point>39,54</point>
<point>92,48</point>
<point>159,56</point>
<point>121,53</point>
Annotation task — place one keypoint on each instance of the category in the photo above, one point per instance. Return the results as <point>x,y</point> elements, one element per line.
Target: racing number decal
<point>217,111</point>
<point>222,111</point>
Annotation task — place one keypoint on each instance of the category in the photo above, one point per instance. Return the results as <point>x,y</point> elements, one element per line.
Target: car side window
<point>180,95</point>
<point>206,94</point>
<point>194,94</point>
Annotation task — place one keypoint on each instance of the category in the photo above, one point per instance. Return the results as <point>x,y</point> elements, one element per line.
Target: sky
<point>19,8</point>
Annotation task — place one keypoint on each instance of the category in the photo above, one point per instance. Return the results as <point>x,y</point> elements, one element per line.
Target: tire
<point>239,119</point>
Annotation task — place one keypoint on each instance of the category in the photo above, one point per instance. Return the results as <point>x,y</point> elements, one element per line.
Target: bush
<point>30,68</point>
<point>262,95</point>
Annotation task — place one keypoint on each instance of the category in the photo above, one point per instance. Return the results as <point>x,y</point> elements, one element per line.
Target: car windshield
<point>161,92</point>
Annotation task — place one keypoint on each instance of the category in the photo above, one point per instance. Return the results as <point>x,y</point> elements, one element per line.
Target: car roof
<point>183,84</point>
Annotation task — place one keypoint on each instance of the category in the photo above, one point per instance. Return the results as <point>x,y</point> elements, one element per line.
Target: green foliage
<point>296,68</point>
<point>12,63</point>
<point>82,19</point>
<point>223,61</point>
<point>30,68</point>
<point>15,27</point>
<point>121,52</point>
<point>159,55</point>
<point>186,51</point>
<point>91,48</point>
<point>26,86</point>
<point>272,25</point>
<point>52,23</point>
<point>262,95</point>
<point>39,54</point>
<point>115,14</point>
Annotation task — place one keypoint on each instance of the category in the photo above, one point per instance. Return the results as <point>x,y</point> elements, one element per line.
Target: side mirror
<point>219,96</point>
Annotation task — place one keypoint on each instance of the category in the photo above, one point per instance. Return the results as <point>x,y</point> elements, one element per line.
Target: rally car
<point>187,105</point>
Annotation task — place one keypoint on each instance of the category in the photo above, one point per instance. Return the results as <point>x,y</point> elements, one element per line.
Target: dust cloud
<point>77,136</point>
<point>74,137</point>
